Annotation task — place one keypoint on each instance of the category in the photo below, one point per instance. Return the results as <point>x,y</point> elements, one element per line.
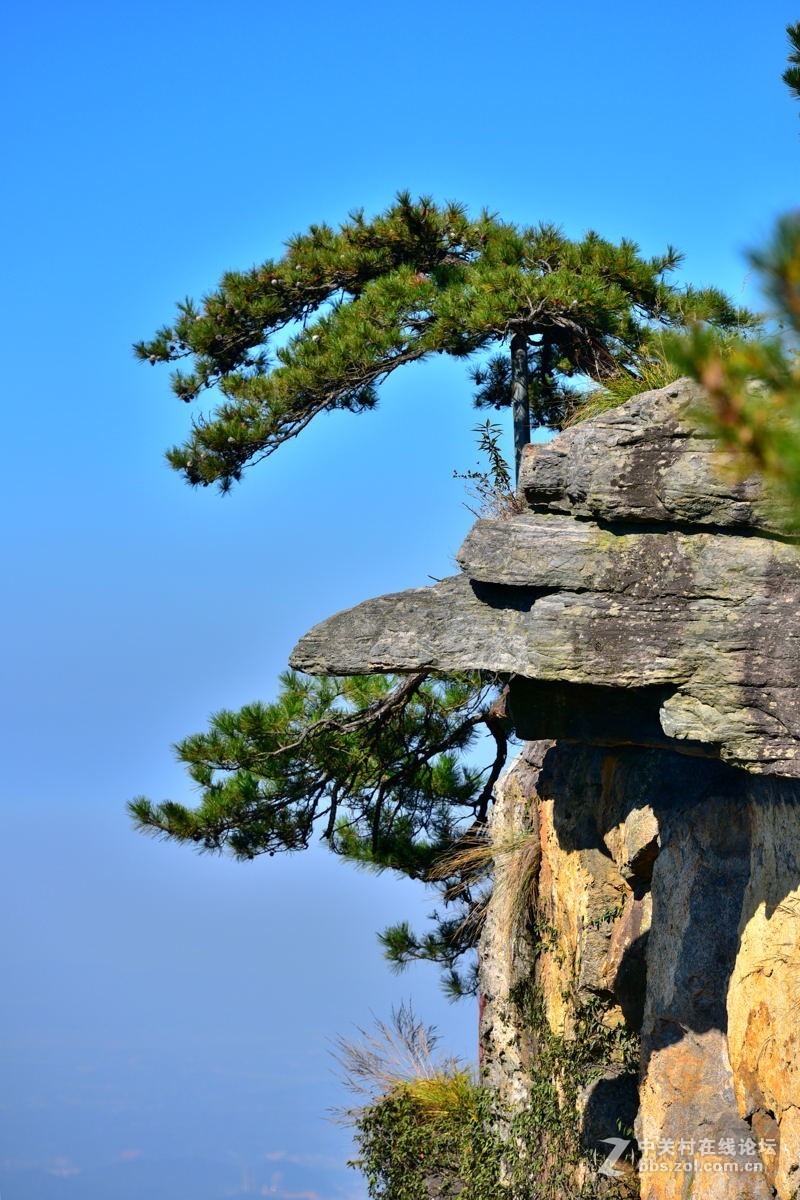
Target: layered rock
<point>712,617</point>
<point>645,610</point>
<point>658,464</point>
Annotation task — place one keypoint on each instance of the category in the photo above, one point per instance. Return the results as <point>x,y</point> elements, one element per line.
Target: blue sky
<point>166,1018</point>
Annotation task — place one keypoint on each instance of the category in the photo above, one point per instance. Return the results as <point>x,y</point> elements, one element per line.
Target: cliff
<point>645,609</point>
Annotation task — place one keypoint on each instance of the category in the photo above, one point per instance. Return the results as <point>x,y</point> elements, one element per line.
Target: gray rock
<point>729,666</point>
<point>649,460</point>
<point>555,553</point>
<point>705,623</point>
<point>688,1088</point>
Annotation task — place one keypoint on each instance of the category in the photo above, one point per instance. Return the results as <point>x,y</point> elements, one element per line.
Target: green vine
<point>544,1157</point>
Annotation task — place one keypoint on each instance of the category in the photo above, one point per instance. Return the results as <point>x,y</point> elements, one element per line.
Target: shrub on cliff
<point>429,1131</point>
<point>421,1127</point>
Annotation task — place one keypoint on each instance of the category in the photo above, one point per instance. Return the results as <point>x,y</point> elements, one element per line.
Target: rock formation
<point>645,608</point>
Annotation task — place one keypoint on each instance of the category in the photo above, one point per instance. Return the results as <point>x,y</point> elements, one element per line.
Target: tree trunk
<point>544,390</point>
<point>520,398</point>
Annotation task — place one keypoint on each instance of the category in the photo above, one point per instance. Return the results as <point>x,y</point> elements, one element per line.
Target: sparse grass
<point>511,863</point>
<point>395,1054</point>
<point>447,1095</point>
<point>660,363</point>
<point>422,1131</point>
<point>429,1129</point>
<point>447,1137</point>
<point>655,371</point>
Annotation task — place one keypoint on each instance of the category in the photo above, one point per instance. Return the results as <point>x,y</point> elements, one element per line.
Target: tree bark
<point>520,398</point>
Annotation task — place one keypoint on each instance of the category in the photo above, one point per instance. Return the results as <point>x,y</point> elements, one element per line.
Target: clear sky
<point>165,1018</point>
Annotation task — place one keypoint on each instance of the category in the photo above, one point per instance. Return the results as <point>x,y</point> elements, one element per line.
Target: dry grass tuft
<point>511,861</point>
<point>400,1055</point>
<point>654,372</point>
<point>446,1095</point>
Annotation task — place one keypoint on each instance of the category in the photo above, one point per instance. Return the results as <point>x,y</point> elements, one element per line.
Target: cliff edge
<point>646,610</point>
<point>639,567</point>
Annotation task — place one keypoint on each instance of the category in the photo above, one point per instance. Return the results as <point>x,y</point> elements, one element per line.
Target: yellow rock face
<point>666,897</point>
<point>764,994</point>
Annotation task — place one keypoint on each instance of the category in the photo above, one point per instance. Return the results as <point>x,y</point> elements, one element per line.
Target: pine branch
<point>417,280</point>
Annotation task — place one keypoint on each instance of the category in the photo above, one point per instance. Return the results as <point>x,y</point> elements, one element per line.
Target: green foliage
<point>445,944</point>
<point>410,1149</point>
<point>423,1120</point>
<point>544,1148</point>
<point>791,76</point>
<point>431,1130</point>
<point>653,369</point>
<point>490,485</point>
<point>479,865</point>
<point>660,362</point>
<point>370,762</point>
<point>320,327</point>
<point>754,384</point>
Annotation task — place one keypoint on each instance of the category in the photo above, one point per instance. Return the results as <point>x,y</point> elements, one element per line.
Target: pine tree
<point>321,327</point>
<point>376,765</point>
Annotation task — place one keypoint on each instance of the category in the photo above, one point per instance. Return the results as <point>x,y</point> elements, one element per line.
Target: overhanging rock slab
<point>646,581</point>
